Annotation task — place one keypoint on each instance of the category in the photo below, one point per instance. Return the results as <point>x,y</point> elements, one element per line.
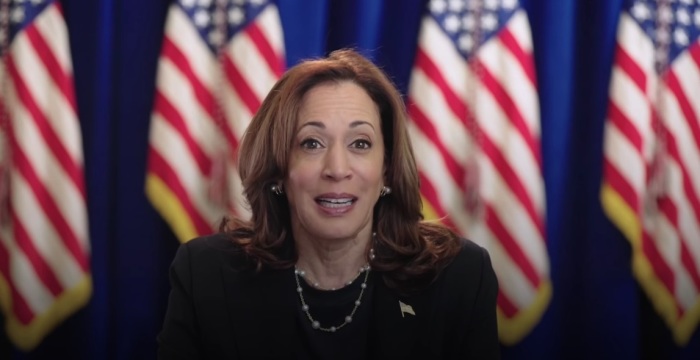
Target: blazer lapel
<point>398,320</point>
<point>262,312</point>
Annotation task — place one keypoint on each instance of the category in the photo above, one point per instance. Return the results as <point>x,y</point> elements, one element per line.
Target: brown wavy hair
<point>410,252</point>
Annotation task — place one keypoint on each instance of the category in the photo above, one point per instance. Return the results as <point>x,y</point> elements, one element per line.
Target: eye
<point>362,144</point>
<point>310,144</point>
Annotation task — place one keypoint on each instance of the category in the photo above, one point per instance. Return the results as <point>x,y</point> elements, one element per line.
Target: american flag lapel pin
<point>406,309</point>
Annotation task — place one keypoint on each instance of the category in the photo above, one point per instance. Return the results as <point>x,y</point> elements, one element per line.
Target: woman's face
<point>336,167</point>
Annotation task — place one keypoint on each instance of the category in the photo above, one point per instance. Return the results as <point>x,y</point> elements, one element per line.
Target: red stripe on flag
<point>661,269</point>
<point>201,92</point>
<point>690,194</point>
<point>58,6</point>
<point>429,193</point>
<point>62,80</point>
<point>630,67</point>
<point>689,263</point>
<point>71,168</point>
<point>49,206</point>
<point>669,209</point>
<point>511,246</point>
<point>694,51</point>
<point>426,127</point>
<point>423,62</point>
<point>20,308</point>
<point>41,268</point>
<point>625,126</point>
<point>524,59</point>
<point>173,117</point>
<point>160,168</point>
<point>621,186</point>
<point>205,99</point>
<point>688,113</point>
<point>511,110</point>
<point>240,85</point>
<point>512,181</point>
<point>273,61</point>
<point>509,309</point>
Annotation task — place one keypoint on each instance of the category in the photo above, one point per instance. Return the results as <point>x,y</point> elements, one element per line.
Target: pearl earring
<point>385,191</point>
<point>277,189</point>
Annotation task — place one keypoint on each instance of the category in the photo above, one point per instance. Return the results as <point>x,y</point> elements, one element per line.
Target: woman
<point>336,261</point>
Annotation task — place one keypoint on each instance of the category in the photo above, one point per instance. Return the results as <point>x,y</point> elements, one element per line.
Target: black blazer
<point>218,312</point>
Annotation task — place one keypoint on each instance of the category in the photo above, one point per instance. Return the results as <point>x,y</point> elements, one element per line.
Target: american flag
<point>650,187</point>
<point>44,248</point>
<point>475,128</point>
<point>218,61</point>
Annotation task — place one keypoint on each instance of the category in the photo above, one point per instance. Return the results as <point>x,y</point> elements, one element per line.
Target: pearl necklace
<point>315,284</point>
<point>348,319</point>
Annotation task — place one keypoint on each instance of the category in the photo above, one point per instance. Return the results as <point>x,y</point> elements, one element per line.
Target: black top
<point>330,308</point>
<point>218,311</point>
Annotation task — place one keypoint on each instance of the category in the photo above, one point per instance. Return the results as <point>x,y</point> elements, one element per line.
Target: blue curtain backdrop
<point>597,310</point>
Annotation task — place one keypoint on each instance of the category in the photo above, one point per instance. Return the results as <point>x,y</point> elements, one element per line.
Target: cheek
<point>374,188</point>
<point>374,177</point>
<point>299,178</point>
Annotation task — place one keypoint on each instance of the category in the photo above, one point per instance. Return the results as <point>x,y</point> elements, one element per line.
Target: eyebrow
<point>353,124</point>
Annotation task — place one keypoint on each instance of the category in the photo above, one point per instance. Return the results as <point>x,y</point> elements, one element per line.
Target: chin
<point>337,233</point>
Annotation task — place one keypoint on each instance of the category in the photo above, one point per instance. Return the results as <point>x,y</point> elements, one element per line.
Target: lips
<point>335,203</point>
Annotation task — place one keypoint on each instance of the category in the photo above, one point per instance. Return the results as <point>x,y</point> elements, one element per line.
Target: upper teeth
<point>337,201</point>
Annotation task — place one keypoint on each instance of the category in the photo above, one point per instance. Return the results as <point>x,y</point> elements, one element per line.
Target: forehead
<point>336,101</point>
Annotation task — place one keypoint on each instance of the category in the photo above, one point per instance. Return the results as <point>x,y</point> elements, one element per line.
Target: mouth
<point>335,203</point>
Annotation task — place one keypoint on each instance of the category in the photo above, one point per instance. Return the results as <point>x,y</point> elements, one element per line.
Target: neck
<point>332,264</point>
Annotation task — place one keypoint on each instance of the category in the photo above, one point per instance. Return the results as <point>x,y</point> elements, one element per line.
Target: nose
<point>336,163</point>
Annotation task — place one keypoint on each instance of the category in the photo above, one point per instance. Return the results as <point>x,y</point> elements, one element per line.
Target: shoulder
<point>470,267</point>
<point>467,288</point>
<point>210,251</point>
<point>465,297</point>
<point>471,255</point>
<point>210,243</point>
